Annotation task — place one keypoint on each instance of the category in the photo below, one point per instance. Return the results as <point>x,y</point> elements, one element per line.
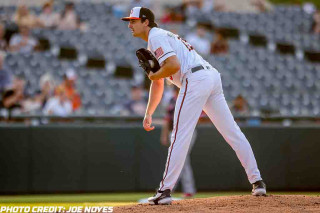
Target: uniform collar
<point>151,31</point>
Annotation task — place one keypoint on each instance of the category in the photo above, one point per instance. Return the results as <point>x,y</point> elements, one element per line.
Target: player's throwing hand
<point>147,121</point>
<point>152,76</point>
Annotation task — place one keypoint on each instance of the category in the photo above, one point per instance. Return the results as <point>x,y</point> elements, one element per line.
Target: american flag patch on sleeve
<point>158,52</point>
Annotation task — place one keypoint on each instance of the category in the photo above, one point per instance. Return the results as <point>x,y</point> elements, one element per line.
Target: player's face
<point>137,27</point>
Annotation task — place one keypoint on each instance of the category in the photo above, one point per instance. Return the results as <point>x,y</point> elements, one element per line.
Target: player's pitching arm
<point>169,67</point>
<point>155,95</point>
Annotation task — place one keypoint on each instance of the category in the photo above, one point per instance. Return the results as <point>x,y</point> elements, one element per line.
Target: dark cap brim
<point>129,18</point>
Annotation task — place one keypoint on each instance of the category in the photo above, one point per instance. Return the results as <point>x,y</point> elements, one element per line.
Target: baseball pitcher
<point>170,57</point>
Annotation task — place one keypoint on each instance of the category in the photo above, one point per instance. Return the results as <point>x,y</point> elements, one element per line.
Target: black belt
<point>197,68</point>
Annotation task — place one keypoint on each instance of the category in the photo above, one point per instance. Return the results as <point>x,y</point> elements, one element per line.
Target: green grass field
<point>107,199</point>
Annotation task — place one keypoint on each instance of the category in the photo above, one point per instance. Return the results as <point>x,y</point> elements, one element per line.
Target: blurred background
<point>73,96</point>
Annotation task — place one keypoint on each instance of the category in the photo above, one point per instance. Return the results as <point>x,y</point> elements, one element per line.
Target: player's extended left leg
<point>219,113</point>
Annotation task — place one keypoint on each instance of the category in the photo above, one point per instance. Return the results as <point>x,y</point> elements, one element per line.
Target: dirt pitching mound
<point>245,203</point>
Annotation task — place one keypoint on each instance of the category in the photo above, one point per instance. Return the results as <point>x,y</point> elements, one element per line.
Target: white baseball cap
<point>140,13</point>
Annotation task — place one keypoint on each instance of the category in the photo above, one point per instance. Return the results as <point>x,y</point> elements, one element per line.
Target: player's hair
<point>151,23</point>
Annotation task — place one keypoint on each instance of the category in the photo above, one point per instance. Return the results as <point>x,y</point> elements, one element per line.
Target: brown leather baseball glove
<point>147,61</point>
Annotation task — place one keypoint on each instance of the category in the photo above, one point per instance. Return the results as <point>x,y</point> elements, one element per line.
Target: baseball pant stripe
<point>175,135</point>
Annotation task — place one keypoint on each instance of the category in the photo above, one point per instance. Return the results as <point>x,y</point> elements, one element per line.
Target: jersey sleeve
<point>161,48</point>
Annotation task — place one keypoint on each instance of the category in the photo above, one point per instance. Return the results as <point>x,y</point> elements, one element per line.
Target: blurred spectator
<point>217,6</point>
<point>68,85</point>
<point>49,18</point>
<point>12,98</point>
<point>167,16</point>
<point>5,75</point>
<point>47,86</point>
<point>168,119</point>
<point>172,14</point>
<point>316,22</point>
<point>22,42</point>
<point>219,45</point>
<point>191,9</point>
<point>137,104</point>
<point>58,105</point>
<point>261,5</point>
<point>199,41</point>
<point>240,106</point>
<point>3,41</point>
<point>40,99</point>
<point>69,20</point>
<point>25,18</point>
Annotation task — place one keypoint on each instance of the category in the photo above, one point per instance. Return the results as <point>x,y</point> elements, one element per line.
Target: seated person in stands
<point>37,102</point>
<point>22,42</point>
<point>316,22</point>
<point>240,106</point>
<point>12,98</point>
<point>199,41</point>
<point>58,105</point>
<point>167,16</point>
<point>25,18</point>
<point>68,19</point>
<point>191,8</point>
<point>137,104</point>
<point>261,5</point>
<point>174,14</point>
<point>47,86</point>
<point>69,86</point>
<point>219,45</point>
<point>3,41</point>
<point>49,18</point>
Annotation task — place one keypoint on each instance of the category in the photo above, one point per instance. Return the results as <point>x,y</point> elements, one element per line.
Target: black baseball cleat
<point>161,198</point>
<point>259,188</point>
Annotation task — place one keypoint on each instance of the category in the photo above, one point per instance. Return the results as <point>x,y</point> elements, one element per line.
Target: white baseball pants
<point>202,90</point>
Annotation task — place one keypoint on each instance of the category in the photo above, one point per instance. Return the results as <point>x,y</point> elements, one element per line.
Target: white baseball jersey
<point>164,44</point>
